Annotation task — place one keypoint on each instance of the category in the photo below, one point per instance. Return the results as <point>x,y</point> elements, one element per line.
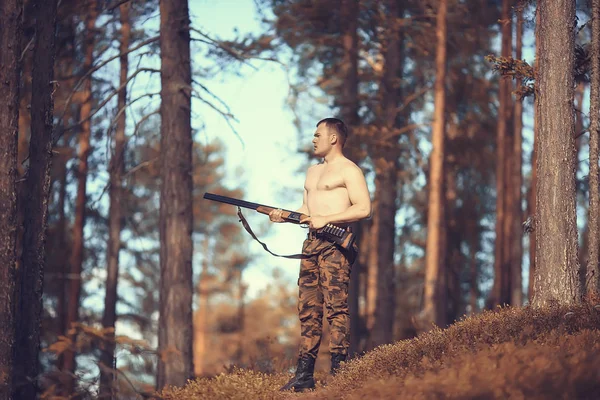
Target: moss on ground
<point>517,353</point>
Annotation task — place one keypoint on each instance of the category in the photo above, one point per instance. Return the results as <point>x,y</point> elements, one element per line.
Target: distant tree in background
<point>74,282</point>
<point>501,291</point>
<point>117,170</point>
<point>434,296</point>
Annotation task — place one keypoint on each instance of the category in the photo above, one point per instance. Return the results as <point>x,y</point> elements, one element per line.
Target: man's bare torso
<point>326,189</point>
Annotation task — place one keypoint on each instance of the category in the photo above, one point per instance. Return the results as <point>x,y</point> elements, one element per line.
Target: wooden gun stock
<point>288,216</point>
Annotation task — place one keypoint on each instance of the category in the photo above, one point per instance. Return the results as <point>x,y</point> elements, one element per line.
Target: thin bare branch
<point>113,94</point>
<point>97,67</point>
<point>227,116</point>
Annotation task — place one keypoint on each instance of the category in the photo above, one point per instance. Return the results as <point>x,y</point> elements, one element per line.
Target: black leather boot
<point>304,375</point>
<point>336,359</point>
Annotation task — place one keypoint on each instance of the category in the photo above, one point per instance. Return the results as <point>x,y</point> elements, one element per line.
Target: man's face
<point>322,141</point>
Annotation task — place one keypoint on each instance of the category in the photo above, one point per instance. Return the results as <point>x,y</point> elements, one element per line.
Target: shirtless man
<point>335,192</point>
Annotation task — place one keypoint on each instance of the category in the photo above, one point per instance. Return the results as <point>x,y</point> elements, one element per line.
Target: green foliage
<point>507,353</point>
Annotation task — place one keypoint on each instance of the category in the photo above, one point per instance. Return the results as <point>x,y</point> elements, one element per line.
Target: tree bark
<point>349,110</point>
<point>35,204</point>
<point>434,269</point>
<point>593,269</point>
<point>531,198</point>
<point>76,259</point>
<point>385,161</point>
<point>117,169</point>
<point>10,53</point>
<point>531,208</point>
<point>516,233</point>
<point>557,265</point>
<point>175,332</point>
<point>501,289</point>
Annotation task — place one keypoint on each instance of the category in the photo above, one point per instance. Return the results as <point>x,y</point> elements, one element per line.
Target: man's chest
<point>325,179</point>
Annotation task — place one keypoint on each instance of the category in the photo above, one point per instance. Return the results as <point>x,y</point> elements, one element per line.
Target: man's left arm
<point>359,198</point>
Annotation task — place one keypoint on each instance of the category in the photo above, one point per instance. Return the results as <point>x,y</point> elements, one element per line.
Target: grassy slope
<point>520,353</point>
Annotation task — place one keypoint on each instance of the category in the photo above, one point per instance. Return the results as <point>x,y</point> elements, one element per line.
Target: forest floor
<point>509,353</point>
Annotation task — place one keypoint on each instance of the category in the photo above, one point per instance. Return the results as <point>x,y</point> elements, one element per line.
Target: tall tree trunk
<point>434,268</point>
<point>531,198</point>
<point>76,260</point>
<point>35,204</point>
<point>349,110</point>
<point>500,290</point>
<point>64,153</point>
<point>117,169</point>
<point>516,235</point>
<point>10,53</point>
<point>593,268</point>
<point>385,161</point>
<point>175,331</point>
<point>557,264</point>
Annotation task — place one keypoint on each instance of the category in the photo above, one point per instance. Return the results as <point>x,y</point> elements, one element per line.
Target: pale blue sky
<point>268,158</point>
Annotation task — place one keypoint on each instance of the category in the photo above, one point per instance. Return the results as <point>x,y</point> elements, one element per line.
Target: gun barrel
<point>232,201</point>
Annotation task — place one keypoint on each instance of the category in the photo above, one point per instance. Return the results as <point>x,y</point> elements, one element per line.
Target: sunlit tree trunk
<point>434,268</point>
<point>10,53</point>
<point>557,265</point>
<point>35,203</point>
<point>115,218</point>
<point>76,261</point>
<point>175,330</point>
<point>516,232</point>
<point>593,268</point>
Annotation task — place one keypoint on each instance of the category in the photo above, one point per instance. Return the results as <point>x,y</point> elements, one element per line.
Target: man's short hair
<point>338,126</point>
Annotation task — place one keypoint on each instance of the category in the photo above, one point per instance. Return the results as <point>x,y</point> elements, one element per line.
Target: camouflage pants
<point>324,279</point>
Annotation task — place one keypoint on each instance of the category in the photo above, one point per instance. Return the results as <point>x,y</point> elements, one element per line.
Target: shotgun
<point>338,235</point>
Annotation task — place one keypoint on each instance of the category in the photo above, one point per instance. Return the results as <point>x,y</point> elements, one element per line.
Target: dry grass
<point>522,353</point>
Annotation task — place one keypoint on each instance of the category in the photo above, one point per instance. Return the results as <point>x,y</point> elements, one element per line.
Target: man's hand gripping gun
<point>335,234</point>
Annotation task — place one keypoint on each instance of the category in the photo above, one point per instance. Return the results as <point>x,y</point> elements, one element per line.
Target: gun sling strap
<point>249,230</point>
